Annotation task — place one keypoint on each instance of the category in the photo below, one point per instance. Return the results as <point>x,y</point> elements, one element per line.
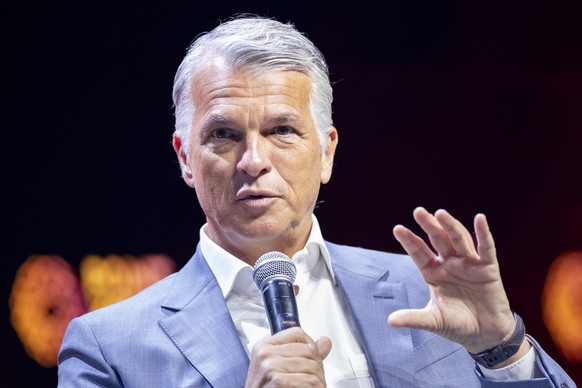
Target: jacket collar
<point>201,326</point>
<point>372,288</point>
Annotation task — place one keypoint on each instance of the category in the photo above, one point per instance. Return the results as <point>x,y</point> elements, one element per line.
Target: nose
<point>254,160</point>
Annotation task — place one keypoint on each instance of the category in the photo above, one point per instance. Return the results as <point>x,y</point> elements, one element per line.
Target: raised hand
<point>468,303</point>
<point>289,358</point>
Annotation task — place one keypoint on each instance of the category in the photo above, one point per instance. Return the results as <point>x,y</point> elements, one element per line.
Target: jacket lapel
<point>201,327</point>
<point>371,293</point>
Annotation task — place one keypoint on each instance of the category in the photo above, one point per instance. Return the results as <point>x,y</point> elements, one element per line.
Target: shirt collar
<point>233,275</point>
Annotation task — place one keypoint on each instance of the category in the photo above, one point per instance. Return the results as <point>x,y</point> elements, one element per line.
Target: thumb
<point>412,318</point>
<point>323,346</point>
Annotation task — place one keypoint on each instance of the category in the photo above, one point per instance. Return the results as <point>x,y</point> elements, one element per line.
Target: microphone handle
<point>280,303</point>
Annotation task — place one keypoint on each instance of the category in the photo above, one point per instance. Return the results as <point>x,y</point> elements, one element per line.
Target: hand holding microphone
<point>289,357</point>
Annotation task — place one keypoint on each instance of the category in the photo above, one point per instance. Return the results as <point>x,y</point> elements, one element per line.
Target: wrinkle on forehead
<point>216,79</point>
<point>223,94</point>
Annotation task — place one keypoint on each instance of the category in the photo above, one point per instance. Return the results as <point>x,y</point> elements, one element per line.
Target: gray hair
<point>255,44</point>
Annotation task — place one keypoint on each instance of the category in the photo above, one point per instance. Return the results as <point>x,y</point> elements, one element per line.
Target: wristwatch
<point>490,358</point>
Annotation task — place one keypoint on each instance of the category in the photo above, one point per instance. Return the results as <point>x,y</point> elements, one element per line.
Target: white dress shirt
<point>321,311</point>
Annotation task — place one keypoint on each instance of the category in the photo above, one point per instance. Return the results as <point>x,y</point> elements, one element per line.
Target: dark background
<point>468,106</point>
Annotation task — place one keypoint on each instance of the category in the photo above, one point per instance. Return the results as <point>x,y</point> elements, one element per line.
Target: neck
<point>249,253</point>
<point>250,249</point>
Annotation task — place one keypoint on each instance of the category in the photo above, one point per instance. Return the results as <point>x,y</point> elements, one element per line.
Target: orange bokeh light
<point>562,304</point>
<point>46,295</point>
<point>110,279</point>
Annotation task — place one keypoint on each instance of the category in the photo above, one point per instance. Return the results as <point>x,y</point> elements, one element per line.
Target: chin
<point>265,229</point>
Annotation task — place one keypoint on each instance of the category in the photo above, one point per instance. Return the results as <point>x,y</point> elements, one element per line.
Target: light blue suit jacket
<point>179,333</point>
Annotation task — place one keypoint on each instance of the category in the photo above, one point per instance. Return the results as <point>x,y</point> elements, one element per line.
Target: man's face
<point>255,158</point>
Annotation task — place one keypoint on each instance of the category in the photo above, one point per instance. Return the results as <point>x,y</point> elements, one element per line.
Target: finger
<point>413,318</point>
<point>414,246</point>
<point>290,357</point>
<point>291,342</point>
<point>291,380</point>
<point>323,346</point>
<point>485,242</point>
<point>285,372</point>
<point>299,380</point>
<point>291,335</point>
<point>436,234</point>
<point>459,237</point>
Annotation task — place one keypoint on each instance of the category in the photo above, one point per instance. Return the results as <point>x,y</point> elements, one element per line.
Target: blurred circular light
<point>46,295</point>
<point>562,304</point>
<point>110,279</point>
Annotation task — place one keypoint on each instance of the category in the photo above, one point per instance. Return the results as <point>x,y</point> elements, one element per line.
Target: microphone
<point>274,274</point>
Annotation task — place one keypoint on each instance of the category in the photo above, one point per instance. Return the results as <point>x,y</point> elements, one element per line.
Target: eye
<point>283,130</point>
<point>223,133</point>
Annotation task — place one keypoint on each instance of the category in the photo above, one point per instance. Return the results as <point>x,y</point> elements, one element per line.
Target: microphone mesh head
<point>273,264</point>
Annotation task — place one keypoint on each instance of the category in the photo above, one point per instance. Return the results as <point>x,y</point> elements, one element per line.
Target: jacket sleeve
<point>547,374</point>
<point>81,362</point>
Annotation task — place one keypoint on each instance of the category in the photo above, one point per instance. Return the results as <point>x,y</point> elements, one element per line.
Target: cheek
<point>303,174</point>
<point>212,180</point>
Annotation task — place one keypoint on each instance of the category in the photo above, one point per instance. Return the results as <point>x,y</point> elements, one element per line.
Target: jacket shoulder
<point>369,262</point>
<point>144,303</point>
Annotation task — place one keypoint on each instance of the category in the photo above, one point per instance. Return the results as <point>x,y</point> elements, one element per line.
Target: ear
<point>183,158</point>
<point>327,156</point>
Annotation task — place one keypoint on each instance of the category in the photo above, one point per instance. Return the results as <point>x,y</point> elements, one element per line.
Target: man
<point>255,139</point>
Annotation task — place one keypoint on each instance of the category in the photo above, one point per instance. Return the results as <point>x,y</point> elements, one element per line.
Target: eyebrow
<point>275,120</point>
<point>285,118</point>
<point>218,119</point>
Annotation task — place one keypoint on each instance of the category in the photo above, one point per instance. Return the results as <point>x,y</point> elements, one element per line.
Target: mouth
<point>254,196</point>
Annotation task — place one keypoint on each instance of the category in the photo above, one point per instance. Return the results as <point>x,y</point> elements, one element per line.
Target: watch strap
<point>490,358</point>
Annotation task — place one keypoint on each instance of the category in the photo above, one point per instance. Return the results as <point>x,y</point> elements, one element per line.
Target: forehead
<point>215,83</point>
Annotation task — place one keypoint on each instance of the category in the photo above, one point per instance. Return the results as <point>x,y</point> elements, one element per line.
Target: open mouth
<point>251,198</point>
<point>255,200</point>
<point>256,197</point>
